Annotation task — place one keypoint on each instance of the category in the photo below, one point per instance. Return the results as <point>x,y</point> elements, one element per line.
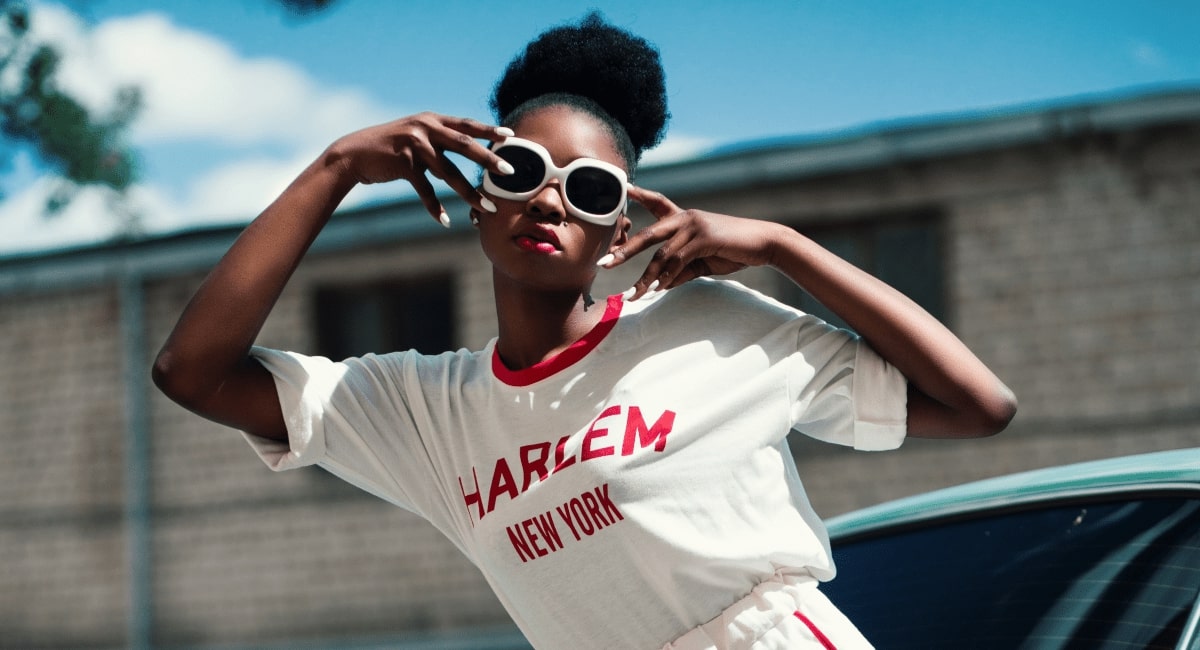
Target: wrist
<point>335,164</point>
<point>784,247</point>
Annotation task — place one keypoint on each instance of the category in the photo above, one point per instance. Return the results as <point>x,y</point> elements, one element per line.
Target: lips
<point>538,238</point>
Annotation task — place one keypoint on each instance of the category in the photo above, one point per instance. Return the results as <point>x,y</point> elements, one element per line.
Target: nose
<point>547,204</point>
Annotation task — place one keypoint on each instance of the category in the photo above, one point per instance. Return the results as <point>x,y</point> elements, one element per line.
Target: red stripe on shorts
<point>812,627</point>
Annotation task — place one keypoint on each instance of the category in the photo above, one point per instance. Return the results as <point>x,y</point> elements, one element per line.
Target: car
<point>1097,555</point>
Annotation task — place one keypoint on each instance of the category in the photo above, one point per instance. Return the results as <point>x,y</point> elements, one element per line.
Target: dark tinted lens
<point>530,170</point>
<point>593,190</point>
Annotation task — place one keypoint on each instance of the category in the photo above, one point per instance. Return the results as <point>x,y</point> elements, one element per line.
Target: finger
<point>429,199</point>
<point>477,129</point>
<point>650,235</point>
<point>666,262</point>
<point>436,162</point>
<point>424,157</point>
<point>658,204</point>
<point>445,169</point>
<point>678,260</point>
<point>464,144</point>
<point>683,265</point>
<point>698,268</point>
<point>669,260</point>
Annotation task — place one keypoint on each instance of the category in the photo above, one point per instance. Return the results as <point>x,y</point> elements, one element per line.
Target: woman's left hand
<point>694,244</point>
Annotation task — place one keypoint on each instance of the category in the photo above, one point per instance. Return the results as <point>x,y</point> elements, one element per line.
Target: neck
<point>535,325</point>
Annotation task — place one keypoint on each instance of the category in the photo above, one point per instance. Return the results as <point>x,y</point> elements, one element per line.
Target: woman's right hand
<point>205,364</point>
<point>409,147</point>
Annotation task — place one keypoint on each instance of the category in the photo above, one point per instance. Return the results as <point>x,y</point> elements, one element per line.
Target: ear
<point>621,234</point>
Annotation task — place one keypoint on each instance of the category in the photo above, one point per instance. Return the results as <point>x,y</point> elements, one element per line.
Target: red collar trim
<point>561,361</point>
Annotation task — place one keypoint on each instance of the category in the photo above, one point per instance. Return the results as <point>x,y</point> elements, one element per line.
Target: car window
<point>1090,575</point>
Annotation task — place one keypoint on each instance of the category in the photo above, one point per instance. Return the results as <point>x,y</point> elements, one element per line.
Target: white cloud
<point>674,148</point>
<point>195,87</point>
<point>241,189</point>
<point>23,225</point>
<point>95,213</point>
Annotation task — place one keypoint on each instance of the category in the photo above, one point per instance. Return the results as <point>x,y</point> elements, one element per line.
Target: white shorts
<point>787,612</point>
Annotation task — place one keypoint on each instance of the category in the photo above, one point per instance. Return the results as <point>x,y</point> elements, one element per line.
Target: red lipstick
<point>539,240</point>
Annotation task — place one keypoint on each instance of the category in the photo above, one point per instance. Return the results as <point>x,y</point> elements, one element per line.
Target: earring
<point>587,300</point>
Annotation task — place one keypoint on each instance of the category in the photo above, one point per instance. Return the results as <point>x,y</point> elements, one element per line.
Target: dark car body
<point>1099,555</point>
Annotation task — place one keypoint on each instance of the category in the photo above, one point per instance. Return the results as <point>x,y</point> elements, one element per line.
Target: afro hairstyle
<point>595,67</point>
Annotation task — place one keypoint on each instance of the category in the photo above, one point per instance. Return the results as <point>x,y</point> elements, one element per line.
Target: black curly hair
<point>596,68</point>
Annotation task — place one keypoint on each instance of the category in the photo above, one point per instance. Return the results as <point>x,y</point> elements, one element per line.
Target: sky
<point>240,95</point>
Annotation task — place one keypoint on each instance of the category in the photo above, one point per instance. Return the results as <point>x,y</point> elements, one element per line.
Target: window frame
<point>865,228</point>
<point>376,286</point>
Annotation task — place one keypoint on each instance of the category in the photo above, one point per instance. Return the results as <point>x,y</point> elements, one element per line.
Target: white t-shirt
<point>625,491</point>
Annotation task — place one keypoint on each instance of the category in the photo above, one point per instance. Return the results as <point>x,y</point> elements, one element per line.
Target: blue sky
<point>240,95</point>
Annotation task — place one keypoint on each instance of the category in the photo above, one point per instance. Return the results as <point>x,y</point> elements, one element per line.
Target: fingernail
<point>506,168</point>
<point>605,260</point>
<point>653,287</point>
<point>487,204</point>
<point>444,219</point>
<point>628,293</point>
<point>505,131</point>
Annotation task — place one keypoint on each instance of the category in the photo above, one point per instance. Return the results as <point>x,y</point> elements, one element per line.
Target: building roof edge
<point>749,163</point>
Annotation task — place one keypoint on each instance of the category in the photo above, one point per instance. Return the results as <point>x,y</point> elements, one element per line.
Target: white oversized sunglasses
<point>593,190</point>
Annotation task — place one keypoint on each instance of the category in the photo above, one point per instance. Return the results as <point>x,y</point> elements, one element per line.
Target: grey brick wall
<point>62,470</point>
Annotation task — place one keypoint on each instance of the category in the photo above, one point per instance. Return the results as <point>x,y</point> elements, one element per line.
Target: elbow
<point>173,380</point>
<point>997,414</point>
<point>163,374</point>
<point>974,416</point>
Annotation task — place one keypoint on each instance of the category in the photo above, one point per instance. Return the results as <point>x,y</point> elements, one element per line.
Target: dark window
<point>1086,576</point>
<point>906,253</point>
<point>385,316</point>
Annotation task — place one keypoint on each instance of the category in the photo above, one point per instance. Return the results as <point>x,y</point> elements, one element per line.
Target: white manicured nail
<point>605,260</point>
<point>628,295</point>
<point>505,167</point>
<point>444,219</point>
<point>505,131</point>
<point>487,204</point>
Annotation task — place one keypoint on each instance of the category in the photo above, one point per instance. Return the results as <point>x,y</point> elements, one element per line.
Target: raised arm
<point>952,394</point>
<point>205,363</point>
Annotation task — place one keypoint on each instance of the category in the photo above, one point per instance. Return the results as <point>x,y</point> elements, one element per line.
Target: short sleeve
<point>842,390</point>
<point>348,417</point>
<point>304,385</point>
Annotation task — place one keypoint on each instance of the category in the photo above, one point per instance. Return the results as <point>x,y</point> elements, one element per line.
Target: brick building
<point>1062,243</point>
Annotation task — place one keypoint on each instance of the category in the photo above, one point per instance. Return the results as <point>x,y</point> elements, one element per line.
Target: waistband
<point>785,611</point>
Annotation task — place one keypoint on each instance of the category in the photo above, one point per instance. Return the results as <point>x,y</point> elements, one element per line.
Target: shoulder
<point>727,317</point>
<point>391,369</point>
<point>407,362</point>
<point>719,300</point>
<point>722,312</point>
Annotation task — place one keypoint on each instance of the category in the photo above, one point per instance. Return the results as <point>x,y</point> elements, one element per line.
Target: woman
<point>619,472</point>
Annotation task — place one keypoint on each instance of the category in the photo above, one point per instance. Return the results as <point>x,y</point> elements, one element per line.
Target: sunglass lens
<point>530,169</point>
<point>594,190</point>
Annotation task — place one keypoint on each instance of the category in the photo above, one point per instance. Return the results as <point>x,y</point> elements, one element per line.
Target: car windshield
<point>1119,574</point>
